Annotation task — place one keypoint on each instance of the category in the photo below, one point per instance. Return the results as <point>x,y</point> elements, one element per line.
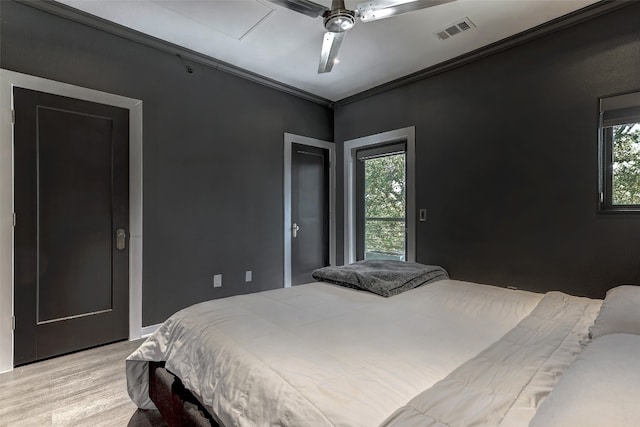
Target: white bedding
<point>505,384</point>
<point>323,355</point>
<point>601,388</point>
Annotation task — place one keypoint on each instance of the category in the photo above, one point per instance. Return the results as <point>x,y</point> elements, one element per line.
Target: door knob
<point>294,230</point>
<point>121,239</point>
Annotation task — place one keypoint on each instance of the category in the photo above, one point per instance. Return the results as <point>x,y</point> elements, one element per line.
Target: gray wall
<point>506,157</point>
<point>213,154</point>
<point>507,160</point>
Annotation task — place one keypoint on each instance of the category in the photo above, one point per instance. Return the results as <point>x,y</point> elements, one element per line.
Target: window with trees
<point>620,153</point>
<point>381,211</point>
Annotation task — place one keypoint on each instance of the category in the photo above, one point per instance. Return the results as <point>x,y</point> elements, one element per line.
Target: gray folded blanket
<point>385,278</point>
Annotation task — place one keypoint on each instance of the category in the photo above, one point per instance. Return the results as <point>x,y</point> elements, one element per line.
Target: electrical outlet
<point>248,276</point>
<point>217,280</point>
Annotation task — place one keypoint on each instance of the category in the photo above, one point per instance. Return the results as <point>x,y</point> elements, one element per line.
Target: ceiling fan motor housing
<point>339,21</point>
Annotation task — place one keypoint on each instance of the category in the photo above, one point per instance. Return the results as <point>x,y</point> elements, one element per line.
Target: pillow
<point>619,314</point>
<point>600,388</point>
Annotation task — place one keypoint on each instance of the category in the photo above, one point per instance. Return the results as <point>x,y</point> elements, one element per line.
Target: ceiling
<point>283,45</point>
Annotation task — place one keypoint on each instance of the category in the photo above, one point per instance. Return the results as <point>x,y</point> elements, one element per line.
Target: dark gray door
<point>71,234</point>
<point>309,211</point>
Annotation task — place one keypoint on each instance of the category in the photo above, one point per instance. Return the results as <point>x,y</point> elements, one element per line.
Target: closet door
<point>71,234</point>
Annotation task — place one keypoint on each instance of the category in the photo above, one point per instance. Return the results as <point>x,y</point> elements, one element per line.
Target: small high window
<point>620,153</point>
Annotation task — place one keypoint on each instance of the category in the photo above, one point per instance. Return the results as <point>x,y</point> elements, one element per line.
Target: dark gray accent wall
<point>507,162</point>
<point>213,154</point>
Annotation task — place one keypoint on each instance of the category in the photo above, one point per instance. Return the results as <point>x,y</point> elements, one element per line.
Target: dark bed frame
<point>178,406</point>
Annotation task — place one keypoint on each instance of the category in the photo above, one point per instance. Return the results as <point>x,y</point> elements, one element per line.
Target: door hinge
<point>14,219</point>
<point>13,116</point>
<point>601,195</point>
<point>13,323</point>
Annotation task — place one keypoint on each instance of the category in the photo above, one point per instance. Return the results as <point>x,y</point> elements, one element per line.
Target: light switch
<point>422,216</point>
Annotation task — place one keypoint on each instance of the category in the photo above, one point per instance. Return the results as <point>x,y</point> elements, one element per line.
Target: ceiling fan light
<point>339,22</point>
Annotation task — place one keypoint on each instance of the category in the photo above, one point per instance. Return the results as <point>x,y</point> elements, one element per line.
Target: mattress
<point>323,355</point>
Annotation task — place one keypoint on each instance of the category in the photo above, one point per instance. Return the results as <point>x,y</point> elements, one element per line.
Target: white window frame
<point>406,135</point>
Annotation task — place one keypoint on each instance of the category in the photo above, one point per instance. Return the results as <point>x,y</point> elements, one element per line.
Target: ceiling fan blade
<point>305,7</point>
<point>330,47</point>
<point>379,9</point>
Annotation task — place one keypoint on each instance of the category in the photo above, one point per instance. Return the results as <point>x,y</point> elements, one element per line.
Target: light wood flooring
<point>87,388</point>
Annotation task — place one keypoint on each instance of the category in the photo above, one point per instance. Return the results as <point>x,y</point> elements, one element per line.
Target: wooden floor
<point>87,388</point>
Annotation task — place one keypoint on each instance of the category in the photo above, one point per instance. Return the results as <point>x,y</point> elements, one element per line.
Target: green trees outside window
<point>385,207</point>
<point>626,164</point>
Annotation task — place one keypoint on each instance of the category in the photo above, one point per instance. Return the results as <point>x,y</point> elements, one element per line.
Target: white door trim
<point>290,139</point>
<point>9,80</point>
<point>407,135</point>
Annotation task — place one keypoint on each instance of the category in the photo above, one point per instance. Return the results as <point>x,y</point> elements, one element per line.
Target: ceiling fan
<point>338,20</point>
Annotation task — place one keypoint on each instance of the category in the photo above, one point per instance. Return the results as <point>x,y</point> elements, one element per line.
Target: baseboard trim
<point>148,330</point>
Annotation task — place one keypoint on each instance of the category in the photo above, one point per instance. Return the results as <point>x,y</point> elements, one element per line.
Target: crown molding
<point>89,20</point>
<point>561,23</point>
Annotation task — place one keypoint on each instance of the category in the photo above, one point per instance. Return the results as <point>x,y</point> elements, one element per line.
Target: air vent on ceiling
<point>454,29</point>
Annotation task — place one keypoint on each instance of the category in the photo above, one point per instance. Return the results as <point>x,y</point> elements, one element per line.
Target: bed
<point>447,353</point>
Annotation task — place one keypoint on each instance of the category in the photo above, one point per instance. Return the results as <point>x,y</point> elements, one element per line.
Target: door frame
<point>407,135</point>
<point>289,140</point>
<point>9,80</point>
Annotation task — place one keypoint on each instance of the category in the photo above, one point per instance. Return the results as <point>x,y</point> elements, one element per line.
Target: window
<point>620,153</point>
<point>353,217</point>
<point>381,203</point>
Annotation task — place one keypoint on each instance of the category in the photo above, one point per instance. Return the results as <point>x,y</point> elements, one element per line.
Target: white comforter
<point>322,355</point>
<point>504,385</point>
<point>600,388</point>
